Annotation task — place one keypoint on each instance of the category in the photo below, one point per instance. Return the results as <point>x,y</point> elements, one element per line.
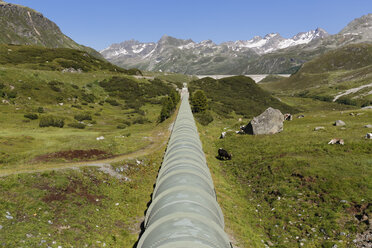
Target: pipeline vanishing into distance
<point>184,211</point>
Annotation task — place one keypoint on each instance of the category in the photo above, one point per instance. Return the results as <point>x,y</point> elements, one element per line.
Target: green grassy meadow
<point>292,189</point>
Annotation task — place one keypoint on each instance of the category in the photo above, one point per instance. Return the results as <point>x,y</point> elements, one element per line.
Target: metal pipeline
<point>184,212</point>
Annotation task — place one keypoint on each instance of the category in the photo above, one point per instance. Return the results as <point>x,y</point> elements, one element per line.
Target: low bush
<point>204,118</point>
<point>40,110</point>
<point>51,121</point>
<point>83,117</point>
<point>140,120</point>
<point>76,106</point>
<point>76,125</point>
<point>31,116</point>
<point>112,102</point>
<point>121,126</point>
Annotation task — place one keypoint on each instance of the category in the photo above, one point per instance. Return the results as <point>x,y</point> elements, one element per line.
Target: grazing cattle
<point>368,136</point>
<point>223,135</point>
<point>336,141</point>
<point>223,154</point>
<point>287,117</point>
<point>300,116</point>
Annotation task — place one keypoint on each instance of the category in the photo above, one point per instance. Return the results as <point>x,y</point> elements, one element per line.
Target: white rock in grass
<point>100,138</point>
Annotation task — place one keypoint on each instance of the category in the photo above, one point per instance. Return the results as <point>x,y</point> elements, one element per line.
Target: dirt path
<point>158,142</point>
<point>353,90</point>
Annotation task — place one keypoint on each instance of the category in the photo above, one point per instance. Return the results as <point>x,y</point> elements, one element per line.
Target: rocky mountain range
<point>260,55</point>
<point>21,25</point>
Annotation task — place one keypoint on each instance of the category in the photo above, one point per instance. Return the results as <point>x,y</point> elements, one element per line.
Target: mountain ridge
<point>260,55</point>
<point>21,25</point>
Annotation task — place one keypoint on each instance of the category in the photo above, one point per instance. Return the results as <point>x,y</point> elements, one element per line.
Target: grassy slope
<point>240,94</point>
<point>286,188</point>
<point>80,207</point>
<point>331,74</point>
<point>39,58</point>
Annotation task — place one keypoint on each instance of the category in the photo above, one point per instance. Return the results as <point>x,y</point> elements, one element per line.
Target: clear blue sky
<point>100,23</point>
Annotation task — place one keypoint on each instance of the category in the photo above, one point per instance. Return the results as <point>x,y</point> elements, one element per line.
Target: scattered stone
<point>117,204</point>
<point>100,138</point>
<point>1,227</point>
<point>8,216</point>
<point>50,222</point>
<point>300,116</point>
<point>269,122</point>
<point>336,141</point>
<point>5,101</point>
<point>72,70</point>
<point>60,104</point>
<point>12,87</point>
<point>368,136</point>
<point>367,107</point>
<point>223,135</point>
<point>28,235</point>
<point>343,201</point>
<point>318,128</point>
<point>339,123</point>
<point>368,126</point>
<point>240,120</point>
<point>270,243</point>
<point>288,117</point>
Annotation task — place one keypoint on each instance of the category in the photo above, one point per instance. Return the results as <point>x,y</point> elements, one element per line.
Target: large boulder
<point>269,122</point>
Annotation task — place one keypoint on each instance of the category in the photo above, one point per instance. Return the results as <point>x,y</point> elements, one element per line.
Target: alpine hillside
<point>21,25</point>
<point>260,55</point>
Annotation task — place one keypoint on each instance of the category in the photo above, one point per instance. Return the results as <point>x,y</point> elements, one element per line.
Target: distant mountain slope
<point>24,26</point>
<point>240,94</point>
<point>344,70</point>
<point>270,54</point>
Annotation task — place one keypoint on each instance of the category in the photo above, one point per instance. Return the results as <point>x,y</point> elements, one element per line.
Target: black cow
<point>223,154</point>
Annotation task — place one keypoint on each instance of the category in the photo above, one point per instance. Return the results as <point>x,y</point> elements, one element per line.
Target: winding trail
<point>353,90</point>
<point>104,165</point>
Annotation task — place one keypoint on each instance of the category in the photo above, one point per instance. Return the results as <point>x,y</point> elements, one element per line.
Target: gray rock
<point>318,128</point>
<point>269,122</point>
<point>368,126</point>
<point>1,227</point>
<point>339,123</point>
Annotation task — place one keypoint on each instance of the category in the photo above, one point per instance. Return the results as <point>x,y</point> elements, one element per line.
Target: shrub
<point>31,116</point>
<point>76,106</point>
<point>204,118</point>
<point>51,121</point>
<point>113,102</point>
<point>40,110</point>
<point>54,86</point>
<point>83,117</point>
<point>11,94</point>
<point>167,108</point>
<point>97,114</point>
<point>77,125</point>
<point>199,102</point>
<point>140,120</point>
<point>88,97</point>
<point>121,126</point>
<point>125,122</point>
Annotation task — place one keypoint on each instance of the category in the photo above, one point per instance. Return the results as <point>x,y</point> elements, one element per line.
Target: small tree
<point>199,102</point>
<point>167,108</point>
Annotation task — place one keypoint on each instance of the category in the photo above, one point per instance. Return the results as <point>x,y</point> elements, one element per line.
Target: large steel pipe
<point>184,212</point>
